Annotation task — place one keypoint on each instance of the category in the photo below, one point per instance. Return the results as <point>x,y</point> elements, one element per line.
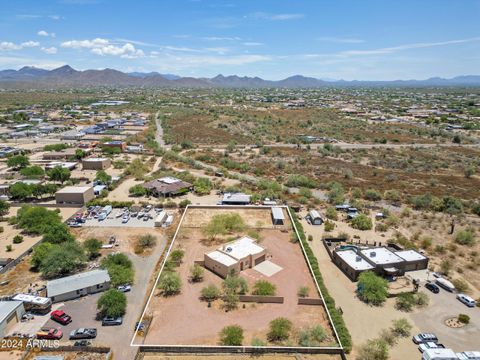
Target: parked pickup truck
<point>60,317</point>
<point>50,334</point>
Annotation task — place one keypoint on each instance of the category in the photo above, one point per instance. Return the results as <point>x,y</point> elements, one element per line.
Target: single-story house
<point>74,195</point>
<point>115,144</point>
<point>75,286</point>
<point>235,256</point>
<point>278,217</point>
<point>167,186</point>
<point>314,217</point>
<point>70,165</point>
<point>351,263</point>
<point>96,163</point>
<point>236,199</point>
<point>63,155</point>
<point>11,312</point>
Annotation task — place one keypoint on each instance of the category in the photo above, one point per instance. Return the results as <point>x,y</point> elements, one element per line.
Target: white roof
<point>439,354</point>
<point>7,307</point>
<point>31,299</point>
<point>410,255</point>
<point>161,216</point>
<point>237,197</point>
<point>314,214</point>
<point>77,282</point>
<point>242,247</point>
<point>353,260</point>
<point>469,355</point>
<point>222,258</point>
<point>95,159</point>
<point>381,256</point>
<point>277,213</point>
<point>168,180</point>
<point>74,189</point>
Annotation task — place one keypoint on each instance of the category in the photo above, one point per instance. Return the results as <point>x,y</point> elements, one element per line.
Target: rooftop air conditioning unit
<point>373,254</point>
<point>358,259</point>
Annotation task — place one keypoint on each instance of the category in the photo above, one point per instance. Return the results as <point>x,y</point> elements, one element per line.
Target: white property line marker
<point>239,347</point>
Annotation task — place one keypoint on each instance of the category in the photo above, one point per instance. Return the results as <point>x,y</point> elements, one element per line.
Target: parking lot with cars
<point>445,305</point>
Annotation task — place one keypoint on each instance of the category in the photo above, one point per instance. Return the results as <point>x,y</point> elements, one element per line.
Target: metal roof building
<point>77,285</point>
<point>11,312</point>
<point>278,217</point>
<point>235,199</point>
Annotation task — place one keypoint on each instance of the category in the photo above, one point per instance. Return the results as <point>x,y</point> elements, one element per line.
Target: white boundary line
<point>238,347</point>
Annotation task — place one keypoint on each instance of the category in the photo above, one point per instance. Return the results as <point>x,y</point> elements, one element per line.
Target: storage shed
<point>74,195</point>
<point>315,217</point>
<point>11,312</point>
<point>278,217</point>
<point>96,163</point>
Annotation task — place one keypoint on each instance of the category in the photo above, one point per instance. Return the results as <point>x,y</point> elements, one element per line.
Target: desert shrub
<point>231,336</point>
<point>401,327</point>
<point>264,288</point>
<point>176,256</point>
<point>279,330</point>
<point>303,292</point>
<point>388,336</point>
<point>426,242</point>
<point>312,336</point>
<point>210,293</point>
<point>17,239</point>
<point>183,204</point>
<point>196,273</point>
<point>230,300</point>
<point>376,349</point>
<point>460,285</point>
<point>421,299</point>
<point>405,302</point>
<point>362,222</point>
<point>372,288</point>
<point>465,237</point>
<point>8,248</point>
<point>373,195</point>
<point>223,224</point>
<point>445,266</point>
<point>137,190</point>
<point>146,241</point>
<point>464,318</point>
<point>92,247</point>
<point>258,342</point>
<point>331,213</point>
<point>235,284</point>
<point>329,226</point>
<point>170,283</point>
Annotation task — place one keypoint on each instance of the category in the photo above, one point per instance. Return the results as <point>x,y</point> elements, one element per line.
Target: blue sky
<point>273,39</point>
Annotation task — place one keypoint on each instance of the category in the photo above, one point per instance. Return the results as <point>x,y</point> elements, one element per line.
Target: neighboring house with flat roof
<point>11,312</point>
<point>75,286</point>
<point>351,263</point>
<point>74,195</point>
<point>96,163</point>
<point>235,256</point>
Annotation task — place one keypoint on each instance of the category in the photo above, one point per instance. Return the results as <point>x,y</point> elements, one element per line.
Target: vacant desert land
<point>186,320</point>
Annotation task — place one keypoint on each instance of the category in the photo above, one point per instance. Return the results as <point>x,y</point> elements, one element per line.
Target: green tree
<point>405,302</point>
<point>57,233</point>
<point>36,220</point>
<point>20,191</point>
<point>235,284</point>
<point>92,247</point>
<point>4,207</point>
<point>112,303</point>
<point>176,256</point>
<point>362,222</point>
<point>264,288</point>
<point>32,172</point>
<point>39,253</point>
<point>120,275</point>
<point>170,283</point>
<point>279,329</point>
<point>336,193</point>
<point>80,154</point>
<point>202,186</point>
<point>231,336</point>
<point>18,161</point>
<point>63,260</point>
<point>103,177</point>
<point>137,190</point>
<point>116,259</point>
<point>372,288</point>
<point>331,213</point>
<point>59,174</point>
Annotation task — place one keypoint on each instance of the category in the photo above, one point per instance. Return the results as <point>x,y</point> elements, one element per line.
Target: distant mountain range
<point>66,76</point>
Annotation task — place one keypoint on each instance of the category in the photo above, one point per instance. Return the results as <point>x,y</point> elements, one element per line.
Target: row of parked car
<point>447,285</point>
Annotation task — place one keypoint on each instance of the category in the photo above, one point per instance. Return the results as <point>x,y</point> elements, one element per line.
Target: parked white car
<point>467,300</point>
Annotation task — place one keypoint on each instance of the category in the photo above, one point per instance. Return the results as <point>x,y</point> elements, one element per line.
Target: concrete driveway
<point>442,306</point>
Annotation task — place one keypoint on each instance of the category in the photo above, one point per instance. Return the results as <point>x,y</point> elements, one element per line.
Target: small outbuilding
<point>75,286</point>
<point>236,199</point>
<point>96,163</point>
<point>314,217</point>
<point>161,218</point>
<point>278,217</point>
<point>11,312</point>
<point>74,195</point>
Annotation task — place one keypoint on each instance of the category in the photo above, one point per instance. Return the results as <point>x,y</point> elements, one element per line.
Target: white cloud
<point>253,43</point>
<point>276,17</point>
<point>104,47</point>
<point>45,33</point>
<point>50,50</point>
<point>55,17</point>
<point>342,40</point>
<point>8,46</point>
<point>221,38</point>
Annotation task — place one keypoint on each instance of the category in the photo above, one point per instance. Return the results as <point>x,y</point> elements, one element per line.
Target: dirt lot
<point>195,323</point>
<point>240,357</point>
<point>253,217</point>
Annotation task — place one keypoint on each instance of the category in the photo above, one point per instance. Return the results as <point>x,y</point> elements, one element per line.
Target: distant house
<point>63,155</point>
<point>75,286</point>
<point>96,163</point>
<point>167,186</point>
<point>11,313</point>
<point>235,256</point>
<point>235,199</point>
<point>314,217</point>
<point>115,144</point>
<point>136,149</point>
